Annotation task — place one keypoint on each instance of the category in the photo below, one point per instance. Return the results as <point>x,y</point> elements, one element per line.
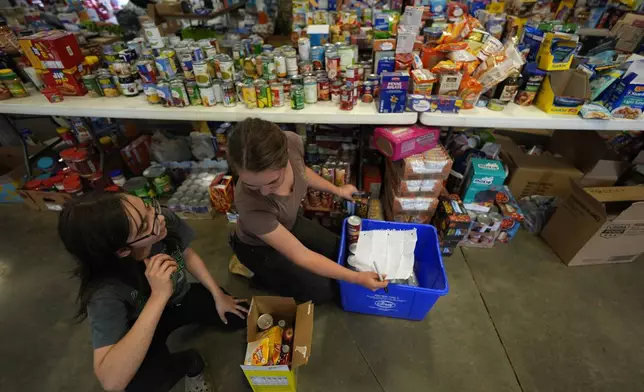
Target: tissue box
<point>401,142</point>
<point>481,175</point>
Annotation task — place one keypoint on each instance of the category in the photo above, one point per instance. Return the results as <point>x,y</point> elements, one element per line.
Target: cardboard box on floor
<point>12,170</point>
<point>280,378</point>
<point>535,174</point>
<point>587,151</point>
<point>598,225</point>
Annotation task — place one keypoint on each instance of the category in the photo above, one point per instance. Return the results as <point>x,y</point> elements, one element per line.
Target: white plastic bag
<point>166,149</point>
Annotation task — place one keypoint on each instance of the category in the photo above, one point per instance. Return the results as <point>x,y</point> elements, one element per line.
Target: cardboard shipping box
<point>280,378</point>
<point>564,92</point>
<point>598,225</point>
<point>543,175</point>
<point>12,170</point>
<point>600,165</point>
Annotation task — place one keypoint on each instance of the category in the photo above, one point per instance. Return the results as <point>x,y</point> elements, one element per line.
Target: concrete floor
<point>516,319</point>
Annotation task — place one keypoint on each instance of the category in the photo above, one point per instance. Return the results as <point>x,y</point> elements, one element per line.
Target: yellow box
<point>281,378</point>
<point>563,92</point>
<point>545,60</point>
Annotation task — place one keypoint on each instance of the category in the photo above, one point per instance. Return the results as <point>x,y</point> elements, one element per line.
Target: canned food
<point>249,94</point>
<point>351,73</point>
<point>277,94</point>
<point>333,67</point>
<point>335,91</point>
<point>193,93</point>
<point>164,93</point>
<point>226,68</point>
<point>128,55</point>
<point>250,70</point>
<point>91,84</point>
<point>120,67</point>
<point>147,71</point>
<point>304,47</point>
<point>291,65</point>
<point>198,54</point>
<point>230,94</point>
<point>128,85</point>
<point>201,73</point>
<point>186,66</point>
<point>139,186</point>
<point>159,178</point>
<point>179,94</point>
<point>267,48</point>
<point>280,66</point>
<point>367,92</point>
<point>151,94</point>
<point>263,92</point>
<point>135,45</point>
<point>219,91</point>
<point>297,97</point>
<point>268,67</point>
<point>346,57</point>
<point>166,67</point>
<point>305,67</point>
<point>297,80</point>
<point>171,55</point>
<point>354,225</point>
<point>317,57</point>
<point>324,89</point>
<point>265,321</point>
<point>360,73</point>
<point>207,94</point>
<point>310,90</point>
<point>346,98</point>
<point>287,88</point>
<point>496,104</point>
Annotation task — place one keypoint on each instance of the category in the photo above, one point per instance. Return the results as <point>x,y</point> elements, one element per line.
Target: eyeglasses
<point>155,223</point>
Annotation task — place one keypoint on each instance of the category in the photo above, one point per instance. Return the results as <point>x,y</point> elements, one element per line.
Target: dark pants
<point>160,369</point>
<point>276,273</point>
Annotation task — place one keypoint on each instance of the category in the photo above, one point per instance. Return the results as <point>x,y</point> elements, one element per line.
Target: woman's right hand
<point>158,271</point>
<point>370,280</point>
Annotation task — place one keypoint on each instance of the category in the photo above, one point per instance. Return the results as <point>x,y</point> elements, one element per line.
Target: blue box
<point>394,81</point>
<point>392,101</point>
<point>481,175</point>
<point>401,301</point>
<point>626,99</point>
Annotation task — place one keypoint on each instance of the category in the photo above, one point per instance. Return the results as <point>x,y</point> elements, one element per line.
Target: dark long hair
<point>93,228</point>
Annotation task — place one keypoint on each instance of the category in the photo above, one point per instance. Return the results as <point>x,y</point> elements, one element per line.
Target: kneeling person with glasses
<point>132,260</point>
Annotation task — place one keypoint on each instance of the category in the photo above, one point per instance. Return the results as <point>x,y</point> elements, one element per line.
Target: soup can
<point>201,73</point>
<point>226,68</point>
<point>193,93</point>
<point>165,67</point>
<point>367,92</point>
<point>164,93</point>
<point>333,67</point>
<point>335,91</point>
<point>207,94</point>
<point>354,225</point>
<point>91,84</point>
<point>269,71</point>
<point>179,94</point>
<point>324,89</point>
<point>304,48</point>
<point>277,94</point>
<point>317,57</point>
<point>151,94</point>
<point>305,67</point>
<point>297,97</point>
<point>230,94</point>
<point>291,65</point>
<point>346,98</point>
<point>250,95</point>
<point>147,71</point>
<point>280,66</point>
<point>287,88</point>
<point>186,66</point>
<point>310,90</point>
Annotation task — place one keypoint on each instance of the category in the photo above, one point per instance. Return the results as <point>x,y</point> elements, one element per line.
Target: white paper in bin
<point>391,250</point>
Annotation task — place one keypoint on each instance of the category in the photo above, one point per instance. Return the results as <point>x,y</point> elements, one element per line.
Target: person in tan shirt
<point>287,253</point>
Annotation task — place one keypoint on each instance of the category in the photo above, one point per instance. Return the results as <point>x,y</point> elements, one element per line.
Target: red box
<point>52,50</point>
<point>68,81</point>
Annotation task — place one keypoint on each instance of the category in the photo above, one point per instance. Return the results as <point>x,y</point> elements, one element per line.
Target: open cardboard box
<point>600,165</point>
<point>598,225</point>
<point>529,175</point>
<point>280,378</point>
<point>564,92</point>
<point>12,171</point>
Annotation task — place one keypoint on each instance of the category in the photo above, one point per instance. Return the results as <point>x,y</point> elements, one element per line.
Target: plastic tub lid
<point>45,163</point>
<point>116,173</point>
<point>68,153</point>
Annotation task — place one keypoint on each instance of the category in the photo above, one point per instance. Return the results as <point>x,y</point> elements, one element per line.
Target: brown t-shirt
<point>260,214</point>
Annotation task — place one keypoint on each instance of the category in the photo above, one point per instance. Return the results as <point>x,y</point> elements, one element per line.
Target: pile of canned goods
<point>193,194</point>
<point>189,72</point>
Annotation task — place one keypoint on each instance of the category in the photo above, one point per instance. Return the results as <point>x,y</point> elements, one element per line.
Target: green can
<point>194,96</point>
<point>297,97</point>
<point>139,187</point>
<point>91,84</point>
<point>158,177</point>
<point>263,93</point>
<point>179,94</point>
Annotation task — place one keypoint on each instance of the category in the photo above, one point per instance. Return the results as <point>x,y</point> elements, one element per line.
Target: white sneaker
<point>198,383</point>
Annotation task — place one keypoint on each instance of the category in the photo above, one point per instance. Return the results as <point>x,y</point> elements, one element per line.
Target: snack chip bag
<point>470,91</point>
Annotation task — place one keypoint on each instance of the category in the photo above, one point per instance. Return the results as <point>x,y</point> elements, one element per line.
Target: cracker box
<point>422,81</point>
<point>222,193</point>
<point>626,100</point>
<point>481,175</point>
<point>400,142</point>
<point>282,378</point>
<point>52,50</point>
<point>68,81</point>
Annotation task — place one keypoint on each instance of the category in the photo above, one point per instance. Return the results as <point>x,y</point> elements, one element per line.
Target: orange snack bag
<point>470,91</point>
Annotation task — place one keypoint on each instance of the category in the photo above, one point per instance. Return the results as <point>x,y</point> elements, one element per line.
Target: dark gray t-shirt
<point>115,306</point>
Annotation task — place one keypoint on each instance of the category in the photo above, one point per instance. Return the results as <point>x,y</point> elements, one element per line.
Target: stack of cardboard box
<point>58,59</point>
<point>412,185</point>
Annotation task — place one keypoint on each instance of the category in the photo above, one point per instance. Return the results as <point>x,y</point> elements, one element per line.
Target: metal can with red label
<point>354,225</point>
<point>333,67</point>
<point>360,72</point>
<point>346,98</point>
<point>287,88</point>
<point>335,91</point>
<point>277,94</point>
<point>324,89</point>
<point>305,67</point>
<point>351,73</point>
<point>367,92</point>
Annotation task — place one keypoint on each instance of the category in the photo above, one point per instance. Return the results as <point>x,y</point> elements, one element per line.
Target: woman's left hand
<point>347,191</point>
<point>227,304</point>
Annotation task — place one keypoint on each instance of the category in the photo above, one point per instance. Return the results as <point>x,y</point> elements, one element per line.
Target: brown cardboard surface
<point>47,201</point>
<point>571,83</point>
<point>283,308</point>
<point>581,232</point>
<point>535,174</point>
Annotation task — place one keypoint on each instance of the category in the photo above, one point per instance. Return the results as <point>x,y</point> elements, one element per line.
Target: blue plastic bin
<point>406,302</point>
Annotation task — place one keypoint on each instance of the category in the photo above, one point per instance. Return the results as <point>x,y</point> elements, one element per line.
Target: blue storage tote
<point>402,301</point>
